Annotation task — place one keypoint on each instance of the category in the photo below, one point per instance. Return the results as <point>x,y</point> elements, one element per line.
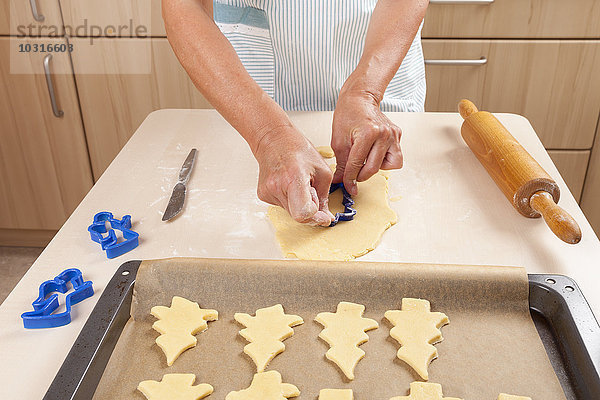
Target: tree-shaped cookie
<point>178,324</point>
<point>504,396</point>
<point>336,394</point>
<point>344,332</point>
<point>266,332</point>
<point>416,328</point>
<point>425,391</point>
<point>266,386</point>
<point>175,387</point>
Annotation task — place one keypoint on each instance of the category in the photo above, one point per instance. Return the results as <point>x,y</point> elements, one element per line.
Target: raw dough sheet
<point>491,345</point>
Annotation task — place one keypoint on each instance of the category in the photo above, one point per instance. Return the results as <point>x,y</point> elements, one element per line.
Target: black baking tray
<point>562,316</point>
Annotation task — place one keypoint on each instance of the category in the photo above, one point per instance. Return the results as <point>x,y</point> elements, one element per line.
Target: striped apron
<point>302,51</point>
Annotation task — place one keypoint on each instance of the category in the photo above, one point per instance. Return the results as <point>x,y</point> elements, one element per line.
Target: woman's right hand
<point>293,175</point>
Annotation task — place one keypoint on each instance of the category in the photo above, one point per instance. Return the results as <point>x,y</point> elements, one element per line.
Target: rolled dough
<point>326,151</point>
<point>346,240</point>
<point>504,396</point>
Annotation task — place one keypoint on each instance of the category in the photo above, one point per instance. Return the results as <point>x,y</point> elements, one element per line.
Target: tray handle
<point>81,371</point>
<point>561,302</point>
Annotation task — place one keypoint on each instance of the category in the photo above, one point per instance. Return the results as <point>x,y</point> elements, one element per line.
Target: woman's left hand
<point>364,140</point>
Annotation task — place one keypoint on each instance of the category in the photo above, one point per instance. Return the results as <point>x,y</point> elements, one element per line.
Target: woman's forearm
<point>217,72</point>
<point>391,31</point>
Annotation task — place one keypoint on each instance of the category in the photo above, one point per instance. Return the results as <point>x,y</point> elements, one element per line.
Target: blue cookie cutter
<point>109,242</point>
<point>41,316</point>
<point>347,202</point>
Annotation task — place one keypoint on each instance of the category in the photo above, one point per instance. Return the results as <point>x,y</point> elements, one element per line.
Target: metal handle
<point>460,63</point>
<point>480,2</point>
<point>34,10</point>
<point>57,113</point>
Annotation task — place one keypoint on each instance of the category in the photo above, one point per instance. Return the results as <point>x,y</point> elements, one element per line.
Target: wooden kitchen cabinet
<point>513,19</point>
<point>44,165</point>
<point>572,166</point>
<point>590,200</point>
<point>114,104</point>
<point>43,15</point>
<point>131,13</point>
<point>555,84</point>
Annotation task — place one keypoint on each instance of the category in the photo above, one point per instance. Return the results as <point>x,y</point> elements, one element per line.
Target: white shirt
<point>302,51</point>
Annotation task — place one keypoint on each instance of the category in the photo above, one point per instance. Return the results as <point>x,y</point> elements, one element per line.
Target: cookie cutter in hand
<point>347,202</point>
<point>42,315</point>
<point>113,247</point>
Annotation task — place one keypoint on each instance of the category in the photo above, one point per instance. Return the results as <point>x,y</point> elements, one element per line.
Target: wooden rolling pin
<point>522,180</point>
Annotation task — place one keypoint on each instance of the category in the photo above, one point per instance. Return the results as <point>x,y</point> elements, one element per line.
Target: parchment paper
<point>490,346</point>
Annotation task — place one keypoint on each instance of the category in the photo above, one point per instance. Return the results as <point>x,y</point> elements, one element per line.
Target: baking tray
<point>564,320</point>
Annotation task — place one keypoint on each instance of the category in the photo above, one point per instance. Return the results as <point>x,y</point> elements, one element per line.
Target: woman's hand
<point>293,175</point>
<point>364,139</point>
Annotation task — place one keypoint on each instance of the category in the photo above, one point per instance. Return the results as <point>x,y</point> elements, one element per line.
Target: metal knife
<point>178,196</point>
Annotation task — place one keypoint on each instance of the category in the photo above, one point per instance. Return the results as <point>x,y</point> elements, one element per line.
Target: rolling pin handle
<point>558,220</point>
<point>466,108</point>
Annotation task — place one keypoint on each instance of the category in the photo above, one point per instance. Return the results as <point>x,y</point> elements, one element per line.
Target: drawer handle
<point>57,113</point>
<point>460,63</point>
<point>480,2</point>
<point>34,10</point>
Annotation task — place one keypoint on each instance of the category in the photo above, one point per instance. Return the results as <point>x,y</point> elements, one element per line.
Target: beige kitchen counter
<point>449,211</point>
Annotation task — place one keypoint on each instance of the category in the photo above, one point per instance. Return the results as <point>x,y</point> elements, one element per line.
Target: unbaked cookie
<point>416,328</point>
<point>425,391</point>
<point>178,324</point>
<point>175,387</point>
<point>266,386</point>
<point>344,332</point>
<point>266,332</point>
<point>346,240</point>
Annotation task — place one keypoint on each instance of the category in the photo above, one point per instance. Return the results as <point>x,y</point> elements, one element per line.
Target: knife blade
<point>178,196</point>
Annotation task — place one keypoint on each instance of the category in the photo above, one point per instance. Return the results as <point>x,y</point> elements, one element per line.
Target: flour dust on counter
<point>347,239</point>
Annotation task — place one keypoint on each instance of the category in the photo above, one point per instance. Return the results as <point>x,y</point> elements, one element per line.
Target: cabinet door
<point>30,17</point>
<point>115,17</point>
<point>555,84</point>
<point>144,75</point>
<point>590,199</point>
<point>44,164</point>
<point>513,19</point>
<point>572,166</point>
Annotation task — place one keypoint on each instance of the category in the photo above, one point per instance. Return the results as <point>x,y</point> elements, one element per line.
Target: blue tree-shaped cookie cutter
<point>42,315</point>
<point>347,202</point>
<point>113,247</point>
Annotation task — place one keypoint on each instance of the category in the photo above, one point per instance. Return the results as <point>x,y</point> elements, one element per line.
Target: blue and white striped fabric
<point>301,51</point>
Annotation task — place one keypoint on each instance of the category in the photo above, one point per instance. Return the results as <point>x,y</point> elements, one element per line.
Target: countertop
<point>449,211</point>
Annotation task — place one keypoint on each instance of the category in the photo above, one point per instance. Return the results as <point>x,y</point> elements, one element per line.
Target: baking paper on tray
<point>490,346</point>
